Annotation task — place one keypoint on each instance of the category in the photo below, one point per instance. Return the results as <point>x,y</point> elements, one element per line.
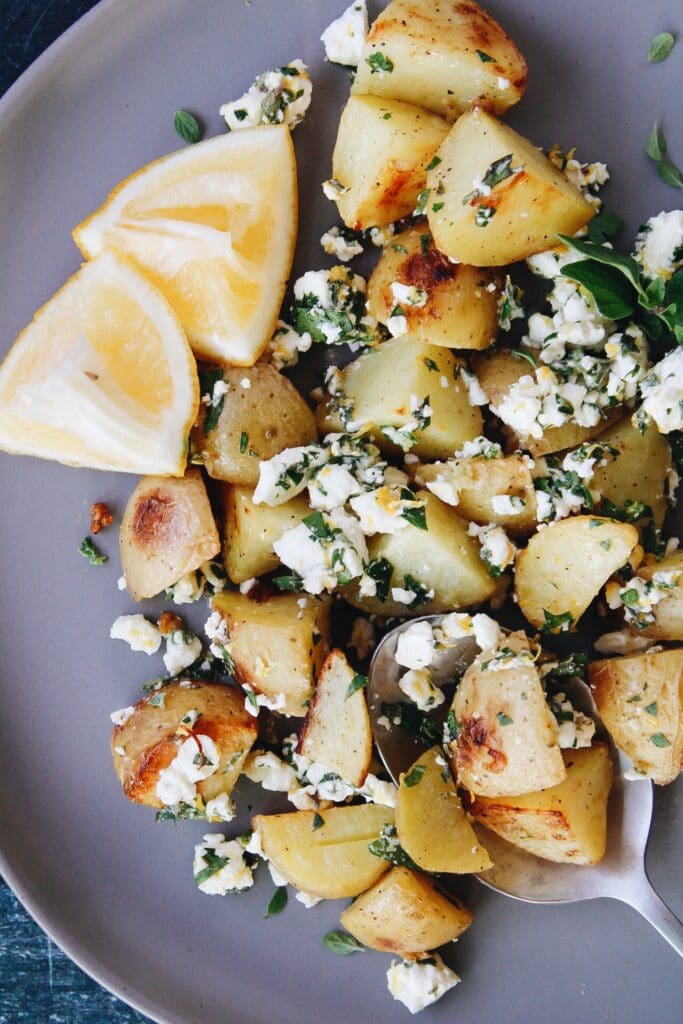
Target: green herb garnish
<point>357,683</point>
<point>660,47</point>
<point>89,551</point>
<point>187,126</point>
<point>277,902</point>
<point>414,776</point>
<point>318,821</point>
<point>379,63</point>
<point>341,943</point>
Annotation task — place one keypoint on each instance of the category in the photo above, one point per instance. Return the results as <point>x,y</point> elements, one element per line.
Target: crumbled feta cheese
<point>286,474</point>
<point>253,701</point>
<point>216,629</point>
<point>574,728</point>
<point>121,716</point>
<point>480,448</point>
<point>381,510</point>
<point>330,553</point>
<point>197,759</point>
<point>182,650</point>
<point>639,597</point>
<point>220,808</point>
<point>245,383</point>
<point>415,646</point>
<point>307,899</point>
<point>341,243</point>
<point>279,879</point>
<point>475,392</point>
<point>280,96</point>
<point>138,632</point>
<point>419,983</point>
<point>270,771</point>
<point>497,551</point>
<point>219,866</point>
<point>662,394</point>
<point>332,486</point>
<point>417,685</point>
<point>333,189</point>
<point>121,583</point>
<point>330,305</point>
<point>409,295</point>
<point>381,236</point>
<point>376,791</point>
<point>397,323</point>
<point>345,36</point>
<point>444,489</point>
<point>286,344</point>
<point>659,246</point>
<point>405,435</point>
<point>507,504</point>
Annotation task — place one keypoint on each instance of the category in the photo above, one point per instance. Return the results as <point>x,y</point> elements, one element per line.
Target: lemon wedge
<point>213,227</point>
<point>102,377</point>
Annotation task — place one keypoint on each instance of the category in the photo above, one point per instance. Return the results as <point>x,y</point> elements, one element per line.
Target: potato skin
<point>167,531</point>
<point>148,738</point>
<point>640,470</point>
<point>668,614</point>
<point>270,412</point>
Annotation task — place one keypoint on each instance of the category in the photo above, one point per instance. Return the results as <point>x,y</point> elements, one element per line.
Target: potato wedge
<point>337,732</point>
<point>446,58</point>
<point>495,198</point>
<point>461,307</point>
<point>476,482</point>
<point>257,421</point>
<point>148,740</point>
<point>507,739</point>
<point>566,823</point>
<point>404,913</point>
<point>249,531</point>
<point>640,700</point>
<point>379,387</point>
<point>566,565</point>
<point>442,558</point>
<point>432,826</point>
<point>380,159</point>
<point>668,614</point>
<point>640,470</point>
<point>332,861</point>
<point>277,646</point>
<point>167,531</point>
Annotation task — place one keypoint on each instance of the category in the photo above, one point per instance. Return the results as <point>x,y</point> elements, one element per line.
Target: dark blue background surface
<point>38,983</point>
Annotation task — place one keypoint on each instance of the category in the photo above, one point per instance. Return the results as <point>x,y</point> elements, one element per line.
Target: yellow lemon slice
<point>213,227</point>
<point>103,377</point>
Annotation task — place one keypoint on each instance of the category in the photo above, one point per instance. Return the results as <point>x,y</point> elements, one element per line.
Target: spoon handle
<point>645,900</point>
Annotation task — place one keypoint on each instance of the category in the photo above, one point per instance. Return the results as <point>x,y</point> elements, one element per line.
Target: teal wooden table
<point>38,983</point>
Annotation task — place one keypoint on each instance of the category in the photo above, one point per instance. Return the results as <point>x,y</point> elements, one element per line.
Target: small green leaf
<point>342,944</point>
<point>651,709</point>
<point>414,776</point>
<point>318,821</point>
<point>625,264</point>
<point>555,623</point>
<point>214,864</point>
<point>485,58</point>
<point>656,144</point>
<point>503,718</point>
<point>520,354</point>
<point>603,226</point>
<point>357,683</point>
<point>187,126</point>
<point>278,902</point>
<point>436,207</point>
<point>292,582</point>
<point>431,365</point>
<point>660,47</point>
<point>379,63</point>
<point>434,162</point>
<point>89,551</point>
<point>416,517</point>
<point>244,442</point>
<point>612,293</point>
<point>670,174</point>
<point>659,740</point>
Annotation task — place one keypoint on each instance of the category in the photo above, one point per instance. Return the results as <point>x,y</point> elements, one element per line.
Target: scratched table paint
<point>38,983</point>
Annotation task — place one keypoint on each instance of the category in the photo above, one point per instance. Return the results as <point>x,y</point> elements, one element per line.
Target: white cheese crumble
<point>138,632</point>
<point>344,38</point>
<point>254,701</point>
<point>121,716</point>
<point>197,759</point>
<point>418,687</point>
<point>659,246</point>
<point>662,394</point>
<point>497,551</point>
<point>280,96</point>
<point>574,729</point>
<point>307,898</point>
<point>507,504</point>
<point>415,646</point>
<point>639,597</point>
<point>419,983</point>
<point>286,344</point>
<point>219,866</point>
<point>330,305</point>
<point>480,448</point>
<point>341,243</point>
<point>324,556</point>
<point>409,295</point>
<point>220,808</point>
<point>182,650</point>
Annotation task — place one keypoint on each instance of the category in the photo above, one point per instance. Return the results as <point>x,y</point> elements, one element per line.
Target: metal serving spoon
<point>620,875</point>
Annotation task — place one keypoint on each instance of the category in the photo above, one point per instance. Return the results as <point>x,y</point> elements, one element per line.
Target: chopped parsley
<point>89,551</point>
<point>214,864</point>
<point>318,821</point>
<point>503,719</point>
<point>414,776</point>
<point>556,623</point>
<point>357,683</point>
<point>660,740</point>
<point>485,58</point>
<point>379,63</point>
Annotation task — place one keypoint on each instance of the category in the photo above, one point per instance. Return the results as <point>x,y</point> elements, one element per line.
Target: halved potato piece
<point>640,470</point>
<point>379,386</point>
<point>566,823</point>
<point>404,913</point>
<point>380,159</point>
<point>249,531</point>
<point>640,700</point>
<point>332,861</point>
<point>336,732</point>
<point>167,530</point>
<point>495,198</point>
<point>461,304</point>
<point>668,613</point>
<point>432,826</point>
<point>149,739</point>
<point>277,646</point>
<point>507,739</point>
<point>443,559</point>
<point>565,566</point>
<point>476,482</point>
<point>446,57</point>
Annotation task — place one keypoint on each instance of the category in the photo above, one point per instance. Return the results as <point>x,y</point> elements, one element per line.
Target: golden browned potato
<point>167,530</point>
<point>640,700</point>
<point>640,470</point>
<point>379,386</point>
<point>460,307</point>
<point>668,613</point>
<point>277,646</point>
<point>443,559</point>
<point>404,913</point>
<point>507,738</point>
<point>497,372</point>
<point>495,198</point>
<point>566,823</point>
<point>471,485</point>
<point>336,732</point>
<point>565,566</point>
<point>255,422</point>
<point>380,159</point>
<point>445,57</point>
<point>249,531</point>
<point>432,826</point>
<point>332,861</point>
<point>148,741</point>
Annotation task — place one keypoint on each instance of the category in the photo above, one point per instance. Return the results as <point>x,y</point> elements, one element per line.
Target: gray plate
<point>112,887</point>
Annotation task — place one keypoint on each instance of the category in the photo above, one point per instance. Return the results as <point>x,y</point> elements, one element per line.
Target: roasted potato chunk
<point>566,565</point>
<point>332,861</point>
<point>443,559</point>
<point>167,530</point>
<point>461,303</point>
<point>471,485</point>
<point>380,159</point>
<point>640,470</point>
<point>507,740</point>
<point>256,421</point>
<point>277,646</point>
<point>446,58</point>
<point>566,823</point>
<point>404,913</point>
<point>378,388</point>
<point>148,741</point>
<point>336,732</point>
<point>249,531</point>
<point>432,826</point>
<point>640,700</point>
<point>521,205</point>
<point>668,613</point>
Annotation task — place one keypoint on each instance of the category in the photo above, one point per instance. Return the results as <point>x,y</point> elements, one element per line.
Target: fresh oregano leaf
<point>656,144</point>
<point>612,293</point>
<point>670,174</point>
<point>660,47</point>
<point>278,902</point>
<point>187,126</point>
<point>341,943</point>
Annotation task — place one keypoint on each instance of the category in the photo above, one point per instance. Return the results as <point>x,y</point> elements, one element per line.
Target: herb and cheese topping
<point>497,551</point>
<point>639,597</point>
<point>329,305</point>
<point>563,487</point>
<point>219,866</point>
<point>197,759</point>
<point>183,648</point>
<point>344,38</point>
<point>286,345</point>
<point>662,394</point>
<point>138,632</point>
<point>574,728</point>
<point>280,96</point>
<point>420,983</point>
<point>659,245</point>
